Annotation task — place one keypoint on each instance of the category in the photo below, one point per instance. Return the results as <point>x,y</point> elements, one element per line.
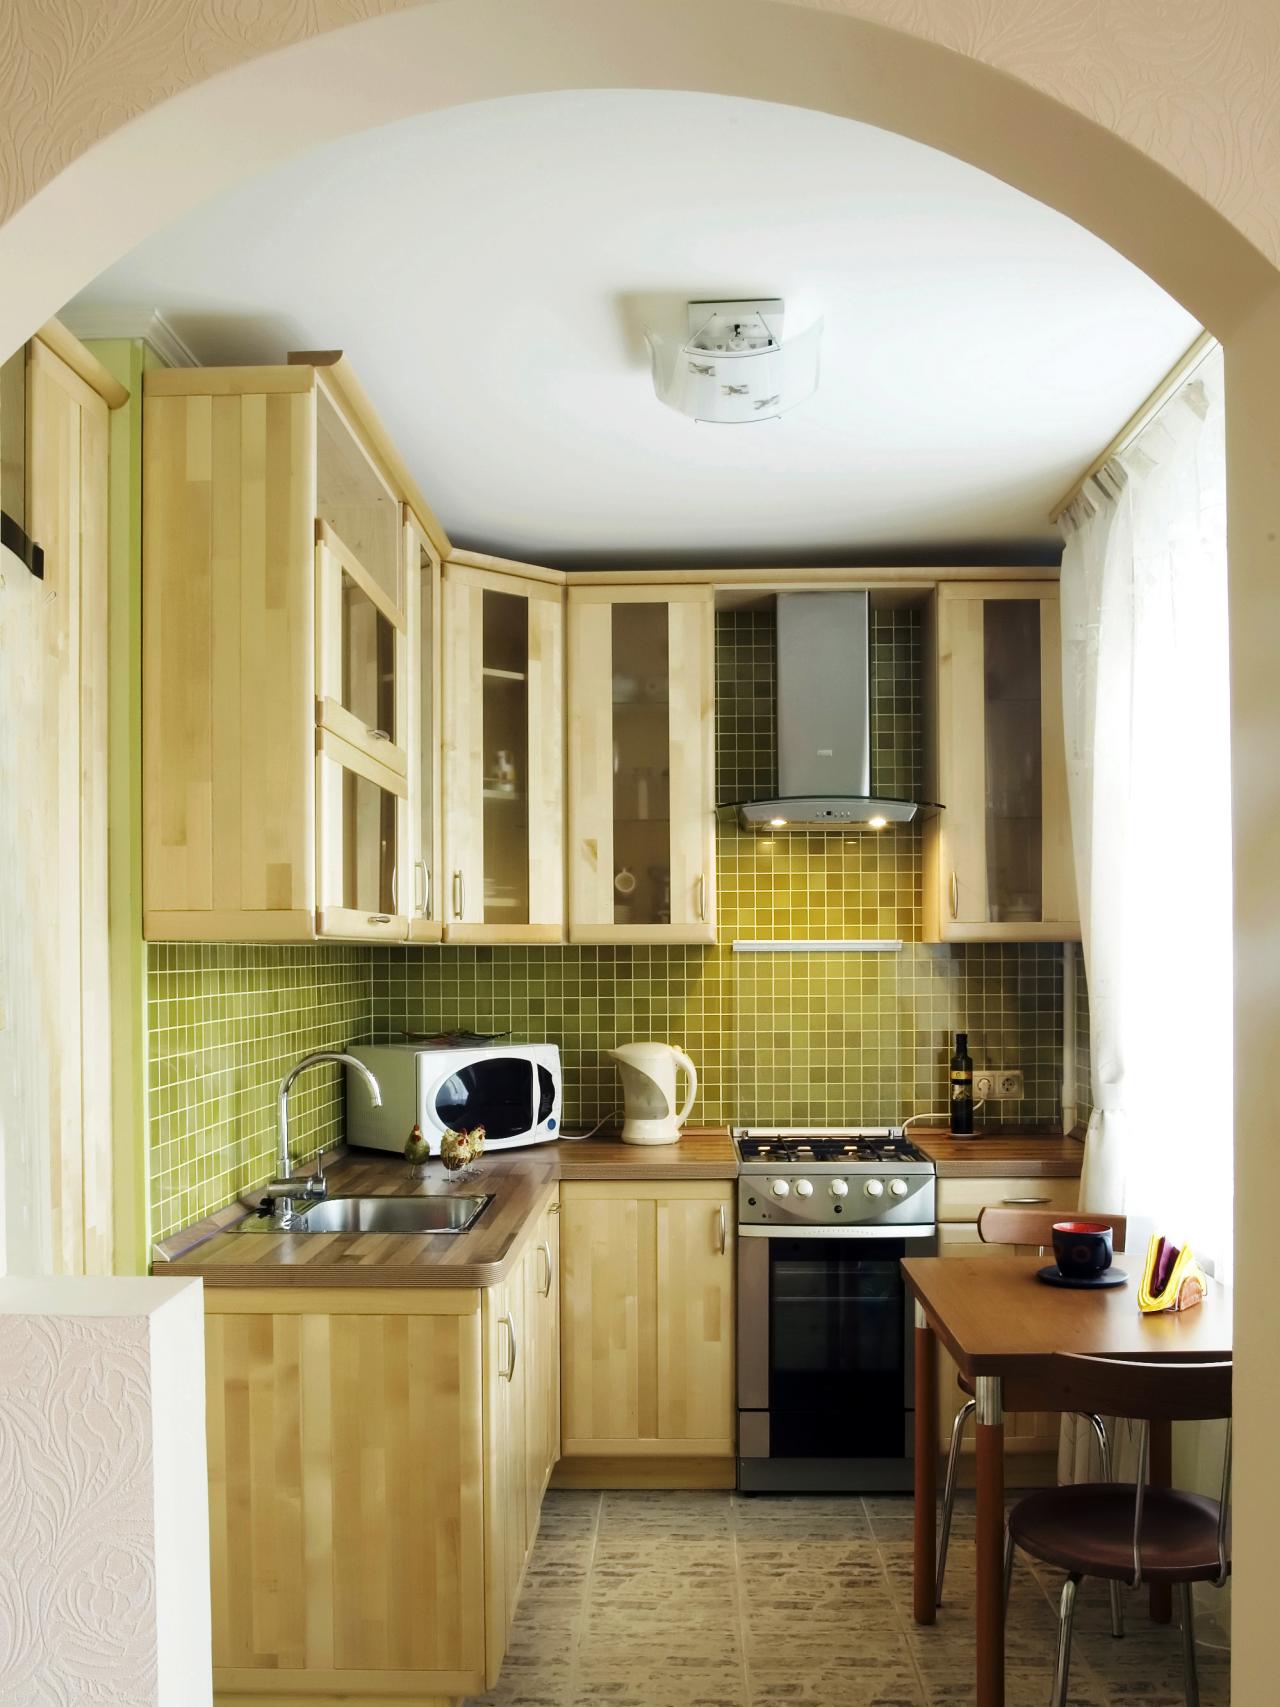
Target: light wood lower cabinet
<point>646,1307</point>
<point>1024,1431</point>
<point>377,1460</point>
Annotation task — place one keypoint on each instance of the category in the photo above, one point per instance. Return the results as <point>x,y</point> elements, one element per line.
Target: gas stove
<point>851,1182</point>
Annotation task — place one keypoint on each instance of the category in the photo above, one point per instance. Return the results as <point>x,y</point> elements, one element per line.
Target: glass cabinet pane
<point>355,501</point>
<point>505,746</point>
<point>641,765</point>
<point>368,663</point>
<point>368,846</point>
<point>1014,812</point>
<point>425,898</point>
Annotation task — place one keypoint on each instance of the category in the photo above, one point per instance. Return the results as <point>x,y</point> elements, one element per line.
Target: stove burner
<point>796,1150</point>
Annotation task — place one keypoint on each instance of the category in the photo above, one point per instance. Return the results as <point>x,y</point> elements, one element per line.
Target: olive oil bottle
<point>962,1088</point>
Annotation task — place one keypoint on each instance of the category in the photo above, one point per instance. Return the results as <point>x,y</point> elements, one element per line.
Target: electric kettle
<point>649,1086</point>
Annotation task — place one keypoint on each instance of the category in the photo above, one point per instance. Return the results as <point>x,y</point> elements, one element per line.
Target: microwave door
<point>497,1093</point>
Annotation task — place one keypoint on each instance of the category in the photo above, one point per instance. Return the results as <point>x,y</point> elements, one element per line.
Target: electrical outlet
<point>997,1084</point>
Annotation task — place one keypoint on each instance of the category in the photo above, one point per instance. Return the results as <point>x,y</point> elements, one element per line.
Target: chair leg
<point>1186,1610</point>
<point>1104,1453</point>
<point>1062,1670</point>
<point>1008,1568</point>
<point>949,1491</point>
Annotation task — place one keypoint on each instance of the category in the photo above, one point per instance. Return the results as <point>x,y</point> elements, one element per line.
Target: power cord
<point>577,1137</point>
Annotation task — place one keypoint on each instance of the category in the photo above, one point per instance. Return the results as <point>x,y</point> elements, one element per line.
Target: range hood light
<point>777,823</point>
<point>876,823</point>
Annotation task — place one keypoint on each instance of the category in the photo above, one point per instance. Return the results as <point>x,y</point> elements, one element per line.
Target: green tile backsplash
<point>828,1038</point>
<point>225,1021</point>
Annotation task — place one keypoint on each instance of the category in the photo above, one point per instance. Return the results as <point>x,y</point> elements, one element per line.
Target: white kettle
<point>649,1086</point>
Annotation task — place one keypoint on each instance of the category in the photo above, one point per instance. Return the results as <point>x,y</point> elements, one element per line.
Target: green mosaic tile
<point>225,1021</point>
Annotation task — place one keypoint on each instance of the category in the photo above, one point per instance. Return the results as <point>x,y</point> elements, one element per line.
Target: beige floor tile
<point>641,1513</point>
<point>801,1517</point>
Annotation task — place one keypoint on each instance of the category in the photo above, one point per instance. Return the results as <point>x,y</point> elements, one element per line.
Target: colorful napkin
<point>1172,1279</point>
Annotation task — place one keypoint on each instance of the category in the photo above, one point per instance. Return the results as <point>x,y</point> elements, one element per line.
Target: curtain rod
<point>1142,416</point>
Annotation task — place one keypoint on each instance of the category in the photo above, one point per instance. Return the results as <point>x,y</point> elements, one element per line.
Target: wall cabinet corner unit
<point>641,764</point>
<point>277,701</point>
<point>503,757</point>
<point>997,859</point>
<point>646,1310</point>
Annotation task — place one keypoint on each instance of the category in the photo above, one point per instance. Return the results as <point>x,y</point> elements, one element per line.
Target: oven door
<point>825,1367</point>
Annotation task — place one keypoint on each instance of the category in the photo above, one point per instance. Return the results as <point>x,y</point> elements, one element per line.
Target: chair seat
<point>1088,1529</point>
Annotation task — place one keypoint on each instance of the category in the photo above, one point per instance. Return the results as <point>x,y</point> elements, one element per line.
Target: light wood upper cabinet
<point>641,764</point>
<point>422,570</point>
<point>646,1306</point>
<point>997,859</point>
<point>503,757</point>
<point>279,657</point>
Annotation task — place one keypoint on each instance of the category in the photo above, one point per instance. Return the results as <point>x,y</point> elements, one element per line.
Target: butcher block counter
<point>521,1182</point>
<point>1030,1155</point>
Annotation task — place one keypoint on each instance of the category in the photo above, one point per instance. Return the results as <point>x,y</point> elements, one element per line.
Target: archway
<point>145,173</point>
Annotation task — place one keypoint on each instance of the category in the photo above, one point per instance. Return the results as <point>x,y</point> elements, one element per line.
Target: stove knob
<point>898,1188</point>
<point>780,1188</point>
<point>804,1188</point>
<point>839,1188</point>
<point>874,1188</point>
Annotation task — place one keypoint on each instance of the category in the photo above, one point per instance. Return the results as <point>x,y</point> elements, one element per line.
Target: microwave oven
<point>513,1090</point>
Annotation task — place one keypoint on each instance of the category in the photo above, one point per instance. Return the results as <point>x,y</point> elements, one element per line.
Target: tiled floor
<point>715,1600</point>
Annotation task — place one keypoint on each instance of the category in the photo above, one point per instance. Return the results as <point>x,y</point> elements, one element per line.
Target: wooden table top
<point>995,1318</point>
<point>1028,1155</point>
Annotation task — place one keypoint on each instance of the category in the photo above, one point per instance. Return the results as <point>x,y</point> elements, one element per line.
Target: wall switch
<point>997,1084</point>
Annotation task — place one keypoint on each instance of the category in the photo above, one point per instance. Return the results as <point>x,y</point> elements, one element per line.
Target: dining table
<point>1002,1326</point>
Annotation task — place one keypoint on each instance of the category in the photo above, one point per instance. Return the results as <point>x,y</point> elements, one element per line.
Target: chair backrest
<point>1193,1390</point>
<point>1012,1224</point>
<point>1190,1391</point>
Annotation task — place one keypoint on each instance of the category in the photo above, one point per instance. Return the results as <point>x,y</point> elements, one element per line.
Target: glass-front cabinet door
<point>422,579</point>
<point>503,757</point>
<point>641,764</point>
<point>997,859</point>
<point>362,844</point>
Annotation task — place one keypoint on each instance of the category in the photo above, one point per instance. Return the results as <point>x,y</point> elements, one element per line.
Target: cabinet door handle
<point>546,1251</point>
<point>509,1373</point>
<point>702,896</point>
<point>459,895</point>
<point>955,896</point>
<point>377,735</point>
<point>722,1230</point>
<point>421,888</point>
<point>1022,1202</point>
<point>379,918</point>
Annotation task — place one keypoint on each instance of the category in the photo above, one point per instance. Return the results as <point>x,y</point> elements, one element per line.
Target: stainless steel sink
<point>394,1214</point>
<point>382,1215</point>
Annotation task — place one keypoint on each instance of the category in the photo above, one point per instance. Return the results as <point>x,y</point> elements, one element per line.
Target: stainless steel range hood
<point>824,721</point>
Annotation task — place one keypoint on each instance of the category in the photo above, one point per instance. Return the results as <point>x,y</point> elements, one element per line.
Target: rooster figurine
<point>417,1152</point>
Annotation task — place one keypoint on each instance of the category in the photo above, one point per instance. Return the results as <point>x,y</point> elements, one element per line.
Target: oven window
<point>837,1345</point>
<point>497,1095</point>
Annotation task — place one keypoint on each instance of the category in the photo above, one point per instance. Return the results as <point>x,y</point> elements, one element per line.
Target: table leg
<point>1161,1476</point>
<point>990,1547</point>
<point>926,1473</point>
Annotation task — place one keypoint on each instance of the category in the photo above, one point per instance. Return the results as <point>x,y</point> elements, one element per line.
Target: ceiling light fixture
<point>734,365</point>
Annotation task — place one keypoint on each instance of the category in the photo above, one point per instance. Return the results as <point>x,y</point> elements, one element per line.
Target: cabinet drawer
<point>961,1199</point>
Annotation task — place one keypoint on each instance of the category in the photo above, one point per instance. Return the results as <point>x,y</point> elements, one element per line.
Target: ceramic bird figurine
<point>477,1142</point>
<point>417,1152</point>
<point>455,1150</point>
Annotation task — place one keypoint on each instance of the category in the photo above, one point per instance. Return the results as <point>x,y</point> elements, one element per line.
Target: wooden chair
<point>1012,1224</point>
<point>1128,1532</point>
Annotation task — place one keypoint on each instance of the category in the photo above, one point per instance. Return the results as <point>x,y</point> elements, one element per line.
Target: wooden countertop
<point>1026,1155</point>
<point>519,1180</point>
<point>704,1152</point>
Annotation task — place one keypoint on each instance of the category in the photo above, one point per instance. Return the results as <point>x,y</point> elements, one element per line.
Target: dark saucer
<point>1053,1276</point>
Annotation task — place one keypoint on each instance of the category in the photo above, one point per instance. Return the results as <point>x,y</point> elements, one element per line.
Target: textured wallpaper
<point>1194,84</point>
<point>77,1541</point>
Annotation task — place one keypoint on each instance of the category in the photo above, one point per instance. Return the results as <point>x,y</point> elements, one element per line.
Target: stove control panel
<point>799,1202</point>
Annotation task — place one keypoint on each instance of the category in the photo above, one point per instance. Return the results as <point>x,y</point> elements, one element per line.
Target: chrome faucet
<point>287,1187</point>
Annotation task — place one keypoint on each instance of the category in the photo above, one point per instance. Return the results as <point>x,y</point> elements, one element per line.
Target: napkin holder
<point>1172,1279</point>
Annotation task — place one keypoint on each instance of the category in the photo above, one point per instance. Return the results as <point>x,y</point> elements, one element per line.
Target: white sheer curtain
<point>1145,681</point>
<point>1145,684</point>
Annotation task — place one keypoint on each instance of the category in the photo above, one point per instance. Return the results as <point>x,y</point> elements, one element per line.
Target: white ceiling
<point>489,270</point>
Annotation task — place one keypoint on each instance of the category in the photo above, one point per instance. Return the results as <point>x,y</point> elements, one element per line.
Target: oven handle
<point>886,1231</point>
